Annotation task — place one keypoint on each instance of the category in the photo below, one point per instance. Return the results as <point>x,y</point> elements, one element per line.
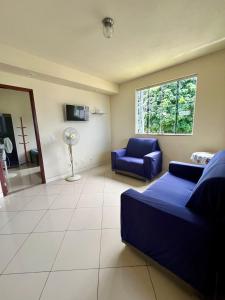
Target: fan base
<point>73,178</point>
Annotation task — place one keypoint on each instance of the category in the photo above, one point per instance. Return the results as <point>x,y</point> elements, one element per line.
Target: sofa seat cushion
<point>172,189</point>
<point>131,164</point>
<point>139,147</point>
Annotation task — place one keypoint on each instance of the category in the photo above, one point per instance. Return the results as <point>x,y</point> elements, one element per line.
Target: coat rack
<point>23,135</point>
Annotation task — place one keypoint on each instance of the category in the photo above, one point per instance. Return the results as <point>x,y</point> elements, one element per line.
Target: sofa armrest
<point>153,164</point>
<point>187,171</point>
<point>115,155</point>
<point>173,236</point>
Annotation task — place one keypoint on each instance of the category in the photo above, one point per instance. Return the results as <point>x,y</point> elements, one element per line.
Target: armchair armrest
<point>153,164</point>
<point>187,171</point>
<point>115,155</point>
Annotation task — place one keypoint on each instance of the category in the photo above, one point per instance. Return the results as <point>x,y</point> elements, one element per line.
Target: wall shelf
<point>98,113</point>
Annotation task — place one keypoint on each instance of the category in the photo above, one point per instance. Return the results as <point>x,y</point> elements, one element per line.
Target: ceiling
<point>149,34</point>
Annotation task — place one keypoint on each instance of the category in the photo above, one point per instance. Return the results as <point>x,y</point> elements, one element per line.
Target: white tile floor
<point>23,177</point>
<point>62,241</point>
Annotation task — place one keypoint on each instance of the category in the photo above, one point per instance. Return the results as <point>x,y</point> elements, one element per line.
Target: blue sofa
<point>141,157</point>
<point>179,221</point>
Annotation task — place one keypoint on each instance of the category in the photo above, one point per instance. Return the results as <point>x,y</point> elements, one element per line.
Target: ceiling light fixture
<point>108,27</point>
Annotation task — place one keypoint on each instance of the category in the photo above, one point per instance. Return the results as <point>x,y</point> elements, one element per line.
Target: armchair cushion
<point>139,147</point>
<point>208,196</point>
<point>131,165</point>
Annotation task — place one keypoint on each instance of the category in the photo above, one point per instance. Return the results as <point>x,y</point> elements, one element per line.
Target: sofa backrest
<point>208,196</point>
<point>139,147</point>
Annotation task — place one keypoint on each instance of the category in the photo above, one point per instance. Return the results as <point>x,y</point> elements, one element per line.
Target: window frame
<point>159,84</point>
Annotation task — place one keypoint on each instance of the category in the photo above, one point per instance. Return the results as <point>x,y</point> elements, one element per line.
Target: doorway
<point>6,130</point>
<point>21,160</point>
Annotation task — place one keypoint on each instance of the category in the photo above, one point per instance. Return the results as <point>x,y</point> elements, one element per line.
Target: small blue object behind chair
<point>142,157</point>
<point>179,221</point>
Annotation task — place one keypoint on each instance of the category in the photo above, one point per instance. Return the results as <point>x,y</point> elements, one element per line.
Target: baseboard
<point>58,177</point>
<point>92,166</point>
<point>80,170</point>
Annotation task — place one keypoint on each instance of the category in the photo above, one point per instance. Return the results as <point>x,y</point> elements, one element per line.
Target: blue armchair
<point>142,157</point>
<point>179,221</point>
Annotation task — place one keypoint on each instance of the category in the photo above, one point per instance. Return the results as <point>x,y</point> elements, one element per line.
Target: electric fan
<point>71,137</point>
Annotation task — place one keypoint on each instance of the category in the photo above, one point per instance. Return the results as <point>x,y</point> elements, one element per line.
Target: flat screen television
<point>76,112</point>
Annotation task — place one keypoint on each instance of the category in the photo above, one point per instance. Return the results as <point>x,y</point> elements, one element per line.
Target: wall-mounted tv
<point>76,112</point>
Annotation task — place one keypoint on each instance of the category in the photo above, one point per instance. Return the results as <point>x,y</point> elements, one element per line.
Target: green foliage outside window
<point>167,108</point>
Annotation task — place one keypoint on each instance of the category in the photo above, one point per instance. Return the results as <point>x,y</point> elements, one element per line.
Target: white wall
<point>209,127</point>
<point>95,135</point>
<point>18,105</point>
<point>20,62</point>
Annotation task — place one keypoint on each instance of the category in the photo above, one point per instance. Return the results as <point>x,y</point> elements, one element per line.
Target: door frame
<point>34,115</point>
<point>3,180</point>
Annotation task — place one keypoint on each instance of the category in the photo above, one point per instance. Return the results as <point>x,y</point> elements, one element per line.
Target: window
<point>167,108</point>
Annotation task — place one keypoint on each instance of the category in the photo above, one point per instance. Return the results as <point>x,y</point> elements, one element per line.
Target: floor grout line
<point>49,208</point>
<point>60,246</point>
<point>66,230</point>
<point>29,234</point>
<point>100,243</point>
<point>17,212</point>
<point>81,191</point>
<point>151,281</point>
<point>78,269</point>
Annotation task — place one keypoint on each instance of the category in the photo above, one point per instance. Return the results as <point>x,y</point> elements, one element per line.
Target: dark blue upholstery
<point>141,157</point>
<point>187,171</point>
<point>131,164</point>
<point>152,164</point>
<point>115,155</point>
<point>165,189</point>
<point>161,223</point>
<point>139,147</point>
<point>208,197</point>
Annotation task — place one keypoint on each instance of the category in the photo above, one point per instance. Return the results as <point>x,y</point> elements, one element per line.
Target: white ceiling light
<point>108,27</point>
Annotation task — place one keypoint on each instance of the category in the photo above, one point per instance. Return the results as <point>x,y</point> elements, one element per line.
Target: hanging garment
<point>8,145</point>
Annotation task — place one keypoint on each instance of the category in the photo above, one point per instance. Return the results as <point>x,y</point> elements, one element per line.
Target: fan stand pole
<point>73,177</point>
<point>71,159</point>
